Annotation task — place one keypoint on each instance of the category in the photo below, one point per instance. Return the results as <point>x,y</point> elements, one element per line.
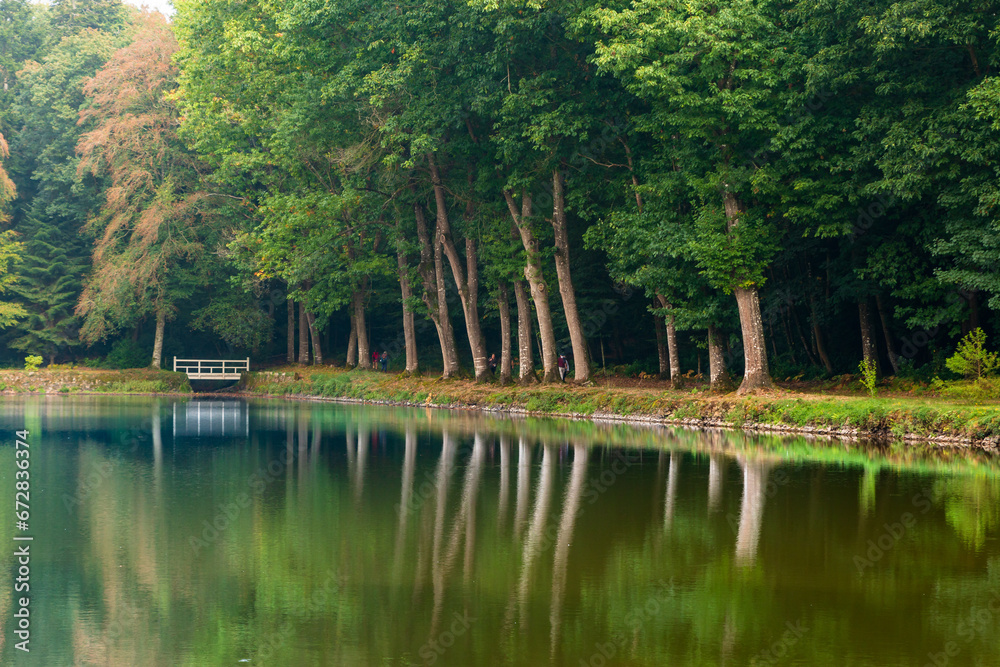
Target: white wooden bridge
<point>212,369</point>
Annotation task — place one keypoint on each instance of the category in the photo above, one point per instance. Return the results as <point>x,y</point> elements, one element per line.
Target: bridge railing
<point>212,369</point>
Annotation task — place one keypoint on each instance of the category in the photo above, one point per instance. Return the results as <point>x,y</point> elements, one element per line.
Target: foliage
<point>32,362</point>
<point>868,369</point>
<point>10,256</point>
<point>972,359</point>
<point>151,228</point>
<point>823,154</point>
<point>126,353</point>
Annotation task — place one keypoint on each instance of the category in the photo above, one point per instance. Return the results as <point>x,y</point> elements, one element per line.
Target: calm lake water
<point>199,532</point>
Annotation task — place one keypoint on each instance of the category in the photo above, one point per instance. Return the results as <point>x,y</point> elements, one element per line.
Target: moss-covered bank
<point>901,417</point>
<point>92,381</point>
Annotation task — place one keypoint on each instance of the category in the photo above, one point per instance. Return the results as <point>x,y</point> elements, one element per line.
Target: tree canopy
<point>749,187</point>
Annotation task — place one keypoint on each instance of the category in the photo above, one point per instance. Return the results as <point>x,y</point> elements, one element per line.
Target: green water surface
<point>198,532</point>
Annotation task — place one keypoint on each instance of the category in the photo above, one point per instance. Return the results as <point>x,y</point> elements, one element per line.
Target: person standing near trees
<point>385,361</point>
<point>563,365</point>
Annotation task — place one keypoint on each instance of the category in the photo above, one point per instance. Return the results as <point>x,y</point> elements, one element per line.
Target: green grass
<point>888,416</point>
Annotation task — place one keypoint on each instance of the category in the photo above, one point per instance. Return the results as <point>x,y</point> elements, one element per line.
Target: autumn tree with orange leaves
<point>150,249</point>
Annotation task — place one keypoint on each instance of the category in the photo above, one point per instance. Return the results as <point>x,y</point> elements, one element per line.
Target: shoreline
<point>888,433</point>
<point>907,419</point>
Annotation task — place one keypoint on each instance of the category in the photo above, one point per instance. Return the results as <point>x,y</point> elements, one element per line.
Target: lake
<point>224,532</point>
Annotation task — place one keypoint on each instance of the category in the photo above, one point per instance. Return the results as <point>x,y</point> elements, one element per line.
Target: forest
<point>742,191</point>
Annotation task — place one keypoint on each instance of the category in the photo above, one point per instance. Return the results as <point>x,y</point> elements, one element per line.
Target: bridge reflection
<point>211,418</point>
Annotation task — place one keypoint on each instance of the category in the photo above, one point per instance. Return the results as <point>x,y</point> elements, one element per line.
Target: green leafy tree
<point>716,74</point>
<point>54,201</point>
<point>972,359</point>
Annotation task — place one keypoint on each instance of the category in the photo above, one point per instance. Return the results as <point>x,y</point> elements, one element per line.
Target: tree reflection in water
<point>125,586</point>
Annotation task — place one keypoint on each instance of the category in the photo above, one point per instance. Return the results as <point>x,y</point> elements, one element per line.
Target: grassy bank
<point>833,408</point>
<point>92,381</point>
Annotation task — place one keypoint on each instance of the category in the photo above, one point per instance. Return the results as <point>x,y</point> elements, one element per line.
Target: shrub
<point>869,375</point>
<point>972,359</point>
<point>979,390</point>
<point>126,353</point>
<point>32,362</point>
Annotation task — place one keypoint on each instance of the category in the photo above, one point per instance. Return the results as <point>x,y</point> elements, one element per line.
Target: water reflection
<point>671,498</point>
<point>564,538</point>
<point>533,543</point>
<point>755,473</point>
<point>456,539</point>
<point>716,470</point>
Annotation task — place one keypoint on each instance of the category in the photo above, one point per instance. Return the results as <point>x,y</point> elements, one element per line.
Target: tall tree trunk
<point>409,327</point>
<point>672,353</point>
<point>718,375</point>
<point>314,335</point>
<point>352,341</point>
<point>290,329</point>
<point>818,336</point>
<point>868,349</point>
<point>536,282</point>
<point>466,281</point>
<point>161,322</point>
<point>303,334</point>
<point>802,337</point>
<point>525,327</point>
<point>503,305</point>
<point>890,348</point>
<point>756,373</point>
<point>361,329</point>
<point>434,296</point>
<point>581,354</point>
<point>661,345</point>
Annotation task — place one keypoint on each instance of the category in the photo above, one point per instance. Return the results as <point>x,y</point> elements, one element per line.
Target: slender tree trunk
<point>672,354</point>
<point>409,327</point>
<point>503,305</point>
<point>890,348</point>
<point>756,373</point>
<point>536,282</point>
<point>802,337</point>
<point>467,281</point>
<point>352,341</point>
<point>581,354</point>
<point>161,323</point>
<point>818,337</point>
<point>361,330</point>
<point>788,336</point>
<point>314,335</point>
<point>868,349</point>
<point>303,335</point>
<point>434,295</point>
<point>290,330</point>
<point>718,375</point>
<point>525,327</point>
<point>661,346</point>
